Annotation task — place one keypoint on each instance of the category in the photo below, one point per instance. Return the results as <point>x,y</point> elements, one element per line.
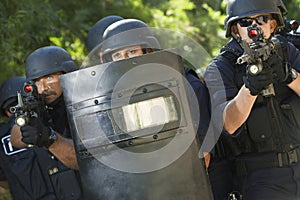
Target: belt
<point>245,165</point>
<point>288,158</point>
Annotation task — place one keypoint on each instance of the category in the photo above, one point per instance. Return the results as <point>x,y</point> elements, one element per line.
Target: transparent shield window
<point>95,128</point>
<point>109,126</point>
<point>149,113</point>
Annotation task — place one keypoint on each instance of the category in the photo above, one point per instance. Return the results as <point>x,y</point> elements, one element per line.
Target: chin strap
<point>237,38</point>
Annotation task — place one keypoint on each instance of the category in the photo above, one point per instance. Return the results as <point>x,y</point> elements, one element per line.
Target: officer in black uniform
<point>27,170</point>
<point>262,131</point>
<point>118,45</point>
<point>51,135</point>
<point>8,98</point>
<point>119,50</point>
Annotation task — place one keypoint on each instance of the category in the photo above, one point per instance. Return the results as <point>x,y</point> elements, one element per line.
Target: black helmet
<point>8,91</point>
<point>96,32</point>
<point>127,32</point>
<point>48,60</point>
<point>237,9</point>
<point>282,7</point>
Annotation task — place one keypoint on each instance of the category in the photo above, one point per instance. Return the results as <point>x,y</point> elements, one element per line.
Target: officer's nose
<point>123,56</point>
<point>42,86</point>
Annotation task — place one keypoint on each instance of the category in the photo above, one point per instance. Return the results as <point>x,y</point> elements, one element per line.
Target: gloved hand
<point>257,82</point>
<point>36,133</point>
<point>282,71</point>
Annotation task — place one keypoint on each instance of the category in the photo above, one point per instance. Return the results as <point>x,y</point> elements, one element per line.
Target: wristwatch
<point>52,137</point>
<point>294,74</point>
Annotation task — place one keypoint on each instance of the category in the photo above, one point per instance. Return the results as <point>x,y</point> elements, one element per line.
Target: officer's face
<point>265,22</point>
<point>127,52</point>
<point>49,86</point>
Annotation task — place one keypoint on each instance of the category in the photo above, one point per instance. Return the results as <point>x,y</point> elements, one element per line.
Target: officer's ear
<point>234,29</point>
<point>273,25</point>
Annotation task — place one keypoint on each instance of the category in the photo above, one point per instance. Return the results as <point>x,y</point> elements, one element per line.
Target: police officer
<point>25,169</point>
<point>51,135</point>
<point>130,38</point>
<point>262,131</point>
<point>122,48</point>
<point>144,43</point>
<point>8,98</point>
<point>113,51</point>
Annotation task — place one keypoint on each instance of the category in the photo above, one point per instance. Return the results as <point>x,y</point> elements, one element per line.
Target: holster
<point>29,179</point>
<point>65,184</point>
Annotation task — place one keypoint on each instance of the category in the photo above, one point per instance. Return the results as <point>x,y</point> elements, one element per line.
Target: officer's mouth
<point>48,94</point>
<point>49,99</point>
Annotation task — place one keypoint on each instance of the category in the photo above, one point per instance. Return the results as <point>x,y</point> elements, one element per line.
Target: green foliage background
<point>27,25</point>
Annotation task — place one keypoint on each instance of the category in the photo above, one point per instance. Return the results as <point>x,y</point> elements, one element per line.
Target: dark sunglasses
<point>260,20</point>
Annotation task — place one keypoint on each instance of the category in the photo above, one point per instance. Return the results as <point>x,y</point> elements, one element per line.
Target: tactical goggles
<point>260,20</point>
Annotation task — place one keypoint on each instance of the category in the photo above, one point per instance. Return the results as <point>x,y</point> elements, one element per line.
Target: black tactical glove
<point>36,133</point>
<point>257,82</point>
<point>282,71</point>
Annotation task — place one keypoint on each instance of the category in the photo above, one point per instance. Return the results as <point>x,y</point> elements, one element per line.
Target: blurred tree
<point>28,25</point>
<point>4,194</point>
<point>293,7</point>
<point>24,27</point>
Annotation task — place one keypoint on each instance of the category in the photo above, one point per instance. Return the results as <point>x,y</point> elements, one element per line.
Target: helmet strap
<point>236,37</point>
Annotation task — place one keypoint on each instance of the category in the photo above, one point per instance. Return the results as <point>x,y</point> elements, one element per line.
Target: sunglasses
<point>260,20</point>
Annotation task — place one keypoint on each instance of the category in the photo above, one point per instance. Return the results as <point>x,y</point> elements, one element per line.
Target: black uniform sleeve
<point>2,175</point>
<point>294,56</point>
<point>203,104</point>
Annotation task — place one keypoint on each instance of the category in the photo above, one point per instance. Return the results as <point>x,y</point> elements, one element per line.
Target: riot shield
<point>134,130</point>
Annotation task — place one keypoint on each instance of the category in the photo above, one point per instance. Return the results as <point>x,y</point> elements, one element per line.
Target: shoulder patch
<point>8,148</point>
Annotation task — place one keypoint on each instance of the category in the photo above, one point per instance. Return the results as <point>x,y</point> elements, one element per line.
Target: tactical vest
<point>34,173</point>
<point>274,122</point>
